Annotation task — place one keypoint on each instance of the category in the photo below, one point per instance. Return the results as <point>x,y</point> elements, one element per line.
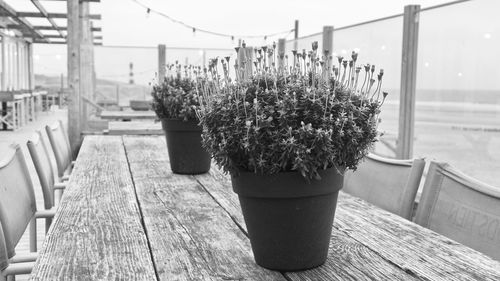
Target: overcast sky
<point>458,44</point>
<point>126,23</point>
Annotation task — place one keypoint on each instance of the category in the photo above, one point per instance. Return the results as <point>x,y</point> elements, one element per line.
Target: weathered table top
<point>118,115</point>
<point>134,128</point>
<point>125,216</point>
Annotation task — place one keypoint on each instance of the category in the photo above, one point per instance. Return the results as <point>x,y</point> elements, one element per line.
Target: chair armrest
<point>24,257</point>
<point>45,213</point>
<point>60,185</point>
<point>18,268</point>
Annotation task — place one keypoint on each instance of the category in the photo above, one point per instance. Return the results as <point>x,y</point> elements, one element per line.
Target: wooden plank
<point>134,128</point>
<point>408,82</point>
<point>191,237</point>
<point>118,115</point>
<point>97,232</point>
<point>380,245</point>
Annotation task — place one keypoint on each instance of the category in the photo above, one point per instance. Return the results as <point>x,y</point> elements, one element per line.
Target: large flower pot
<point>289,220</point>
<point>187,156</point>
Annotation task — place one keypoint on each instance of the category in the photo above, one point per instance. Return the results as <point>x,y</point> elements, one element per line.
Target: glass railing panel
<point>458,88</point>
<point>378,43</point>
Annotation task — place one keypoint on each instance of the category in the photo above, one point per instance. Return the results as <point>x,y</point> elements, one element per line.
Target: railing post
<point>162,58</point>
<point>404,149</point>
<point>73,43</point>
<point>281,54</point>
<point>327,45</point>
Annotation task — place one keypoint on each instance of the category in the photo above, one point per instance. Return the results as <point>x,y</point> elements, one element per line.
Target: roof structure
<point>40,22</point>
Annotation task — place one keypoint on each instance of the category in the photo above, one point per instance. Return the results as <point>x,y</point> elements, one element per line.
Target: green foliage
<point>175,98</point>
<point>276,123</point>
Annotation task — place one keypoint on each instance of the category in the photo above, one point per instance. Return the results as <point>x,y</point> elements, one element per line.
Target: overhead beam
<point>42,27</point>
<point>46,15</point>
<point>61,42</point>
<point>48,27</point>
<point>97,1</point>
<point>51,15</point>
<point>6,10</point>
<point>59,36</point>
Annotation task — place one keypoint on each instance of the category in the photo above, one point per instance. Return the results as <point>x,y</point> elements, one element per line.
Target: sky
<point>256,17</point>
<point>457,44</point>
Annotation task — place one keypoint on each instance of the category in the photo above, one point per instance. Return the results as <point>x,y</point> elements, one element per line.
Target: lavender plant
<point>306,117</point>
<point>175,96</point>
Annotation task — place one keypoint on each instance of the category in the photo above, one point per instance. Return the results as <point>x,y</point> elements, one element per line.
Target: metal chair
<point>10,267</point>
<point>17,200</point>
<point>41,160</point>
<point>461,208</point>
<point>59,142</point>
<point>387,183</point>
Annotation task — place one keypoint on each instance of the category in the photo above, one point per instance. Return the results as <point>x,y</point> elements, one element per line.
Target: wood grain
<point>134,128</point>
<point>97,232</point>
<point>369,243</point>
<point>191,236</point>
<point>117,115</point>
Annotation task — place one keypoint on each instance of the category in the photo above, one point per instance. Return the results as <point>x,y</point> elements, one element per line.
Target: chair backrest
<point>387,183</point>
<point>41,159</point>
<point>4,259</point>
<point>17,200</point>
<point>461,208</point>
<point>60,146</point>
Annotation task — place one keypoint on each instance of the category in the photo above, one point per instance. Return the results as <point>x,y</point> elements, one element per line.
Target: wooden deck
<point>126,216</point>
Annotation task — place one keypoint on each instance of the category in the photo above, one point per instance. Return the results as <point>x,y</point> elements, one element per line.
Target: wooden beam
<point>51,15</point>
<point>59,36</point>
<point>42,10</point>
<point>47,27</point>
<point>95,1</point>
<point>408,82</point>
<point>86,63</point>
<point>8,11</point>
<point>74,108</point>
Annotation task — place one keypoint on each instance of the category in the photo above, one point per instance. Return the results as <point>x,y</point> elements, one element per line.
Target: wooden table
<point>127,115</point>
<point>134,128</point>
<point>125,216</point>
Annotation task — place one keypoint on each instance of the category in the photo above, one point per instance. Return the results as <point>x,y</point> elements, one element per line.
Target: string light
<point>196,29</point>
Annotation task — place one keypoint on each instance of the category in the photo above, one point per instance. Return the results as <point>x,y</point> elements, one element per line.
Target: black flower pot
<point>187,156</point>
<point>289,220</point>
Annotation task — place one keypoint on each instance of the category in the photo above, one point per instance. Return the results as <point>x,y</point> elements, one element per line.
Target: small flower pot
<point>186,154</point>
<point>289,220</point>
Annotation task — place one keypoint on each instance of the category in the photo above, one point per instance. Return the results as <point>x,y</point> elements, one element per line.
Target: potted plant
<point>286,136</point>
<point>175,103</point>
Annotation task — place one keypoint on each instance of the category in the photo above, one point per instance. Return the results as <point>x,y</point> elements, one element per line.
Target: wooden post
<point>296,35</point>
<point>162,60</point>
<point>4,80</point>
<point>327,45</point>
<point>86,63</point>
<point>404,149</point>
<point>245,58</point>
<point>31,70</point>
<point>281,54</point>
<point>74,101</point>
